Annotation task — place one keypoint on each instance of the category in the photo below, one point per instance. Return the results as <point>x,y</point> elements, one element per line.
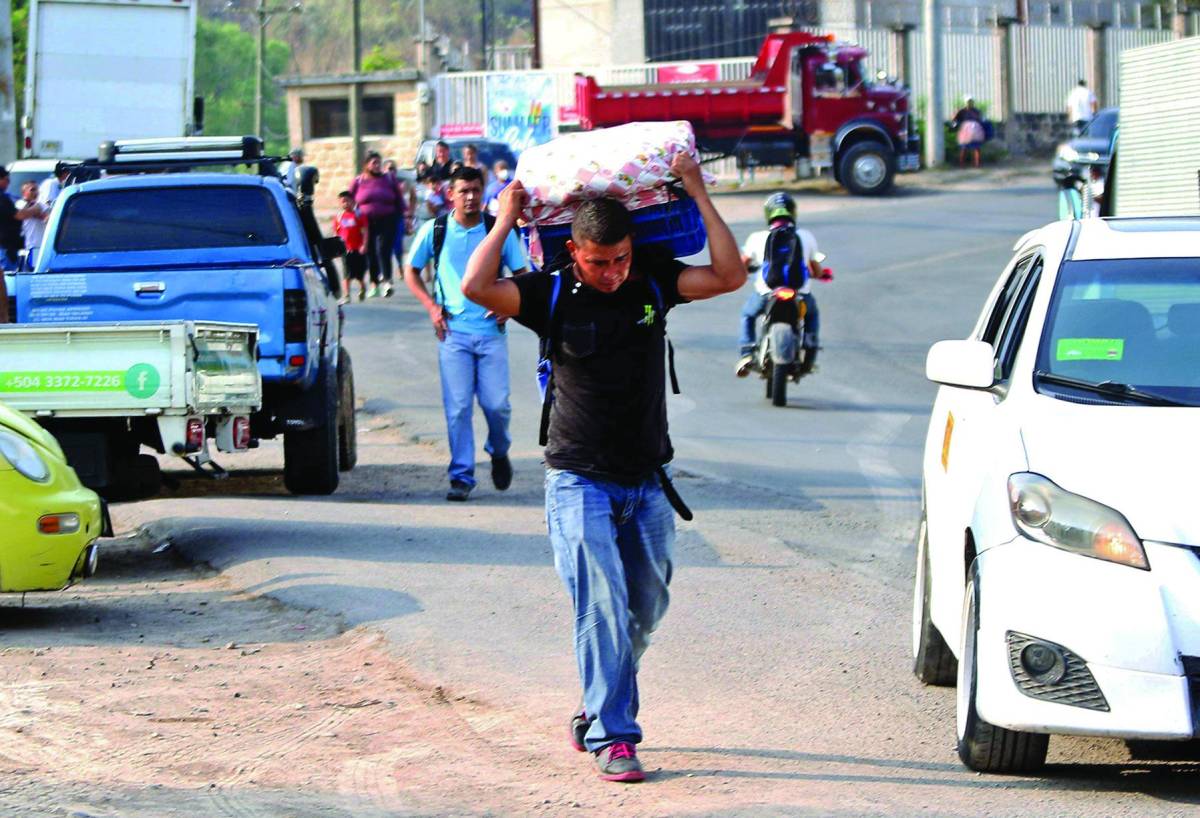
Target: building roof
<point>398,75</point>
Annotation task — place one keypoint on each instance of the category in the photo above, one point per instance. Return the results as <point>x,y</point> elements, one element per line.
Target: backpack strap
<point>439,241</point>
<point>544,366</point>
<point>440,225</point>
<point>662,316</point>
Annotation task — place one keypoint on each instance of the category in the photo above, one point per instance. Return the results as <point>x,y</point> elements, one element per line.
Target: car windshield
<point>169,218</point>
<point>1129,322</point>
<point>1102,126</point>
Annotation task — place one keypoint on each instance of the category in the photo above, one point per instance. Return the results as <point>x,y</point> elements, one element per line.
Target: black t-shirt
<point>440,170</point>
<point>609,415</point>
<point>10,228</point>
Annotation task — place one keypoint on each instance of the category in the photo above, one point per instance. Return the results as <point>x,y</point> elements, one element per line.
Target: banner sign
<point>520,109</point>
<point>452,129</point>
<point>689,72</point>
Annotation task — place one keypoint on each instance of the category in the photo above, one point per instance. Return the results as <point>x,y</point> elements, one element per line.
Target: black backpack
<point>783,262</point>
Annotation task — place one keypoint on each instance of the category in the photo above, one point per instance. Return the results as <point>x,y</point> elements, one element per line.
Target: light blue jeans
<point>612,549</point>
<point>471,366</point>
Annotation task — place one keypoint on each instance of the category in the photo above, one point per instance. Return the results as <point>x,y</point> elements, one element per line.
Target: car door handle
<point>149,287</point>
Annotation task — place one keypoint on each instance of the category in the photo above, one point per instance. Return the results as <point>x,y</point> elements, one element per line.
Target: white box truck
<point>1157,157</point>
<point>107,69</point>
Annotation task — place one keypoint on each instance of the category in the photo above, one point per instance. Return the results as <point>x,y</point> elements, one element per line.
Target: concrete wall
<point>334,156</point>
<point>582,33</point>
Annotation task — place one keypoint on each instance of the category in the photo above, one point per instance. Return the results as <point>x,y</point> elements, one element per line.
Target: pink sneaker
<point>619,762</point>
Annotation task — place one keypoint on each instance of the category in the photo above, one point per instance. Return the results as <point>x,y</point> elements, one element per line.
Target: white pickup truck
<point>106,390</point>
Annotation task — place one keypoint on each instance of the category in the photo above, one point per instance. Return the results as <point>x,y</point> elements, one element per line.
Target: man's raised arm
<point>481,284</point>
<point>726,272</point>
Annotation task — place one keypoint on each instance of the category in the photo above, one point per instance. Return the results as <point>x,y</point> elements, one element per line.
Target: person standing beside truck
<point>10,228</point>
<point>51,186</point>
<point>380,198</point>
<point>31,213</point>
<point>609,498</point>
<point>1081,107</point>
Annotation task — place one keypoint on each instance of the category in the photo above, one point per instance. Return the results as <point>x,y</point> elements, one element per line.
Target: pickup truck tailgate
<point>90,370</point>
<point>250,295</point>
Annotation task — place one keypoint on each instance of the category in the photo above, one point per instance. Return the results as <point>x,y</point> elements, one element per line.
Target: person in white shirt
<point>1081,106</point>
<point>51,186</point>
<point>780,210</point>
<point>31,213</point>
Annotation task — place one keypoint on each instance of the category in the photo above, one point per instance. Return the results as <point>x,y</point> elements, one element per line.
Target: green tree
<point>225,64</point>
<point>382,59</point>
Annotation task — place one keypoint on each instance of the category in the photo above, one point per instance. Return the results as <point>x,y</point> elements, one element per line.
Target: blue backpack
<point>783,262</point>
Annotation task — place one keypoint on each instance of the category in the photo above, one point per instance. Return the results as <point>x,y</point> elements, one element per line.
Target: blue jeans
<point>756,303</point>
<point>612,549</point>
<point>474,365</point>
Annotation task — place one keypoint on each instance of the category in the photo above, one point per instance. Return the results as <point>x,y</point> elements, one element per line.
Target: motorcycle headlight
<point>1046,513</point>
<point>23,457</point>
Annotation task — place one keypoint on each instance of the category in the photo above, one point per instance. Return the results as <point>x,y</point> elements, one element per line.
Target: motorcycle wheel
<point>777,386</point>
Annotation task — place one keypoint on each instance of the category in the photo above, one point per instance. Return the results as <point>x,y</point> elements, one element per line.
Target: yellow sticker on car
<point>946,441</point>
<point>1090,349</point>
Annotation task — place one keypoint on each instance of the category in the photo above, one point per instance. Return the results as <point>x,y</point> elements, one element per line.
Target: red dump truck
<point>806,99</point>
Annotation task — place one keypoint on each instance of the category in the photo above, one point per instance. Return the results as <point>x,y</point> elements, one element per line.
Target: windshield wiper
<point>1113,389</point>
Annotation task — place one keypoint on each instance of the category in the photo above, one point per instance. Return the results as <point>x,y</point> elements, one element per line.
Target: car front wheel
<point>983,746</point>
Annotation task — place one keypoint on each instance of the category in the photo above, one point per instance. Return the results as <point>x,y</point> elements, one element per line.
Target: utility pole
<point>356,87</point>
<point>535,17</point>
<point>262,15</point>
<point>422,41</point>
<point>259,63</point>
<point>8,102</point>
<point>935,83</point>
<point>483,39</point>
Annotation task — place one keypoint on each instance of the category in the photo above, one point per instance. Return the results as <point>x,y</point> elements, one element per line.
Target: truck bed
<point>132,368</point>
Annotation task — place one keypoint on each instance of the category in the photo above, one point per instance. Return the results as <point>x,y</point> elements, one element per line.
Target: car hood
<point>14,421</point>
<point>1136,459</point>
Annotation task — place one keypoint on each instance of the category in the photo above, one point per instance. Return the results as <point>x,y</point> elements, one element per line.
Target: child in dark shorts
<point>351,226</point>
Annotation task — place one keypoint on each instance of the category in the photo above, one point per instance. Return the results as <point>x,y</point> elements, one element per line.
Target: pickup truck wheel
<point>310,457</point>
<point>347,423</point>
<point>867,169</point>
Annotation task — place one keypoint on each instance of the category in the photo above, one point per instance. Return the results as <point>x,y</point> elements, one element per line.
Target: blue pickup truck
<point>147,244</point>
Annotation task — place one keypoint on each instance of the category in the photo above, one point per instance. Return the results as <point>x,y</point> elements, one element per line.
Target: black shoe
<point>459,491</point>
<point>501,472</point>
<point>578,729</point>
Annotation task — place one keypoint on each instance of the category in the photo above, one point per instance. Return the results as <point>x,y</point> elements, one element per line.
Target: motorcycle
<point>779,352</point>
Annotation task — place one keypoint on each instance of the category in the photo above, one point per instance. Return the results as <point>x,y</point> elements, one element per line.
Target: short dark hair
<point>442,143</point>
<point>1083,82</point>
<point>601,221</point>
<point>345,194</point>
<point>3,173</point>
<point>471,146</point>
<point>466,173</point>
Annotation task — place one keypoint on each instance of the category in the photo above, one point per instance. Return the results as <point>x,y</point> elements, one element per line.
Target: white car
<point>1058,555</point>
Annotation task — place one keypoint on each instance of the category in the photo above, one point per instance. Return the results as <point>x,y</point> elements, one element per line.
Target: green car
<point>49,522</point>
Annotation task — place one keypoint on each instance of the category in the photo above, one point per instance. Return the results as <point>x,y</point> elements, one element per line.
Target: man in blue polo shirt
<point>472,351</point>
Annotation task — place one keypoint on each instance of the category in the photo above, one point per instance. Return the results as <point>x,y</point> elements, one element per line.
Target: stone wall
<point>1033,135</point>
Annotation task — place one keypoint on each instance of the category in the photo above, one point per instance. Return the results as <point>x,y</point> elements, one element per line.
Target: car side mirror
<point>332,247</point>
<point>969,364</point>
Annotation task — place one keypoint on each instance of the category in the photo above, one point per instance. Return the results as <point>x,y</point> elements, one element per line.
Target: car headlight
<point>23,457</point>
<point>1067,153</point>
<point>1044,512</point>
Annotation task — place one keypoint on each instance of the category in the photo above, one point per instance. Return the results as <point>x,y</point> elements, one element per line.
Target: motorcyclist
<point>780,211</point>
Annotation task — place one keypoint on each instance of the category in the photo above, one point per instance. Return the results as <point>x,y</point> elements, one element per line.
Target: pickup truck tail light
<point>241,433</point>
<point>195,435</point>
<point>295,316</point>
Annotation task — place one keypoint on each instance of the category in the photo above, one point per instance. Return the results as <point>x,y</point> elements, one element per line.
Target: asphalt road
<point>779,682</point>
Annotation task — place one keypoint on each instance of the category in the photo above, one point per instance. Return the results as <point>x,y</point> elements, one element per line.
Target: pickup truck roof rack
<point>174,155</point>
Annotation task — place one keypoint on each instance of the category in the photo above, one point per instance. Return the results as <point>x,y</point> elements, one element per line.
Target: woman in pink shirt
<point>380,198</point>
